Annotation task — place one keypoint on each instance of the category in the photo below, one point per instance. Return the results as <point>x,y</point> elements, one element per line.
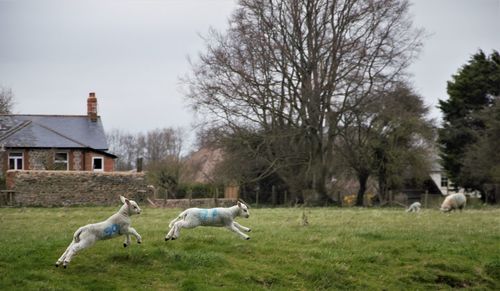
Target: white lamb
<point>453,202</point>
<point>193,217</point>
<point>414,207</point>
<point>115,225</point>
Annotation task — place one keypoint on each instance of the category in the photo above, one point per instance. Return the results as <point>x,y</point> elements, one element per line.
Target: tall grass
<point>371,249</point>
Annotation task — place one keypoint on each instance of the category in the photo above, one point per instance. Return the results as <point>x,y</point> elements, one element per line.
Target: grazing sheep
<point>453,202</point>
<point>193,217</point>
<point>115,225</point>
<point>414,207</point>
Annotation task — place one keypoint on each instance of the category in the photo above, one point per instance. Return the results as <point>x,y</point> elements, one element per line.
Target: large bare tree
<point>288,70</point>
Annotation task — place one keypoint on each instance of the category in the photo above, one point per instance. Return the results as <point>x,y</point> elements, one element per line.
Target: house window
<point>61,161</point>
<point>444,181</point>
<point>97,164</point>
<point>15,161</point>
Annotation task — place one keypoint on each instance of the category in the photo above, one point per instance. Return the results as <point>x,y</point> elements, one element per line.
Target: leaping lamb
<point>117,224</point>
<point>221,216</point>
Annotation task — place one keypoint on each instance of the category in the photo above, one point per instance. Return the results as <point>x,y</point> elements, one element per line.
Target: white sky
<point>132,52</point>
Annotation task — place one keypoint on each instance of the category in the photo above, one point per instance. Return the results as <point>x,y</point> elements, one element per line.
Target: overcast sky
<point>132,52</point>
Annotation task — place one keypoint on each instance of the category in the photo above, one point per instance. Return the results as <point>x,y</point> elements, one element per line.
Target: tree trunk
<point>382,188</point>
<point>362,179</point>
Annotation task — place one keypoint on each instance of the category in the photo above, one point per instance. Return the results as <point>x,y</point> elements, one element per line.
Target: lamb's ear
<point>242,202</point>
<point>124,200</point>
<point>239,204</point>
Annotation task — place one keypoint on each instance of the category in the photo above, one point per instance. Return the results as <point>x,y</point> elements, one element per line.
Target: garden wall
<point>199,202</point>
<point>65,188</point>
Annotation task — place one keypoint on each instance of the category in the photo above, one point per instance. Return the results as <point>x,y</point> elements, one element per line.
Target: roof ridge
<point>13,130</point>
<point>47,115</point>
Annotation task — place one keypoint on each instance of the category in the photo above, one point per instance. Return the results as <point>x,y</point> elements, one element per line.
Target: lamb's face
<point>445,209</point>
<point>134,208</point>
<point>244,212</point>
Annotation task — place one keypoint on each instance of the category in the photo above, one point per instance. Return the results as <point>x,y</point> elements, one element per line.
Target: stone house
<point>55,142</point>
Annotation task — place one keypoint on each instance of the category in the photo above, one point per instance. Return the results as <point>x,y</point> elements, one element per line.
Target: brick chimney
<point>92,107</point>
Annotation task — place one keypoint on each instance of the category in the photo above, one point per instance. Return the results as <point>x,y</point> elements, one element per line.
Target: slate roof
<point>51,131</point>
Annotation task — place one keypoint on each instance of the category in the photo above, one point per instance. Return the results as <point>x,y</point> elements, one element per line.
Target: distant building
<point>444,184</point>
<point>55,142</point>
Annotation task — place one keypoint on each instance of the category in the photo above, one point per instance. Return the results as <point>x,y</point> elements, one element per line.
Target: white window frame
<point>62,162</point>
<point>445,182</point>
<point>102,164</point>
<point>16,158</point>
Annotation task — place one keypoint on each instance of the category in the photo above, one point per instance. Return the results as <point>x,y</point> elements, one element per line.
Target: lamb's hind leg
<point>76,247</point>
<point>176,228</point>
<point>170,233</point>
<point>63,256</point>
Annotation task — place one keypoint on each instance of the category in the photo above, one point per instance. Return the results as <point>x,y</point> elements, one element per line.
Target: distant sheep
<point>453,202</point>
<point>193,217</point>
<point>115,225</point>
<point>414,207</point>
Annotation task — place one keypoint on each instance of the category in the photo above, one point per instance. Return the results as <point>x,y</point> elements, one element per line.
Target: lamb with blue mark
<point>115,225</point>
<point>219,217</point>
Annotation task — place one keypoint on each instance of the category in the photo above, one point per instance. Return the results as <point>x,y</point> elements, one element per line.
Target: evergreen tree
<point>472,89</point>
<point>481,167</point>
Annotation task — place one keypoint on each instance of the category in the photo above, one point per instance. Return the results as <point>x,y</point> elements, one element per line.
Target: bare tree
<point>154,146</point>
<point>288,70</point>
<point>126,147</point>
<point>6,100</point>
<point>161,150</point>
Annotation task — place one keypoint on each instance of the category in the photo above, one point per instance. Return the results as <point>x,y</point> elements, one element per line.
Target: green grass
<point>355,249</point>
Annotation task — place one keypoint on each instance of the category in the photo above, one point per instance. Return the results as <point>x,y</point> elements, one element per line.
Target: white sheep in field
<point>453,202</point>
<point>221,216</point>
<point>414,207</point>
<point>117,224</point>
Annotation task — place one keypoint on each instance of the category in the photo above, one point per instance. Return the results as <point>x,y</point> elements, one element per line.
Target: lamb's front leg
<point>233,227</point>
<point>134,232</point>
<point>127,240</point>
<point>247,229</point>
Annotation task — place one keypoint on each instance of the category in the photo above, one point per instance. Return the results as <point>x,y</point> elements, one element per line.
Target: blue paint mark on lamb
<point>112,230</point>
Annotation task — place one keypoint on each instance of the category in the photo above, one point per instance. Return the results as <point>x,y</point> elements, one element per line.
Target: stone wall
<point>65,188</point>
<point>199,202</point>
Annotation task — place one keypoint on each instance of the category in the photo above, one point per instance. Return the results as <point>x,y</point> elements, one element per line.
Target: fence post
<point>216,202</point>
<point>425,197</point>
<point>286,198</point>
<point>273,195</point>
<point>139,165</point>
<point>339,198</point>
<point>257,198</point>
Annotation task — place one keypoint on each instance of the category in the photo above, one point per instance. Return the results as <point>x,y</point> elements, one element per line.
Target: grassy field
<point>370,249</point>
